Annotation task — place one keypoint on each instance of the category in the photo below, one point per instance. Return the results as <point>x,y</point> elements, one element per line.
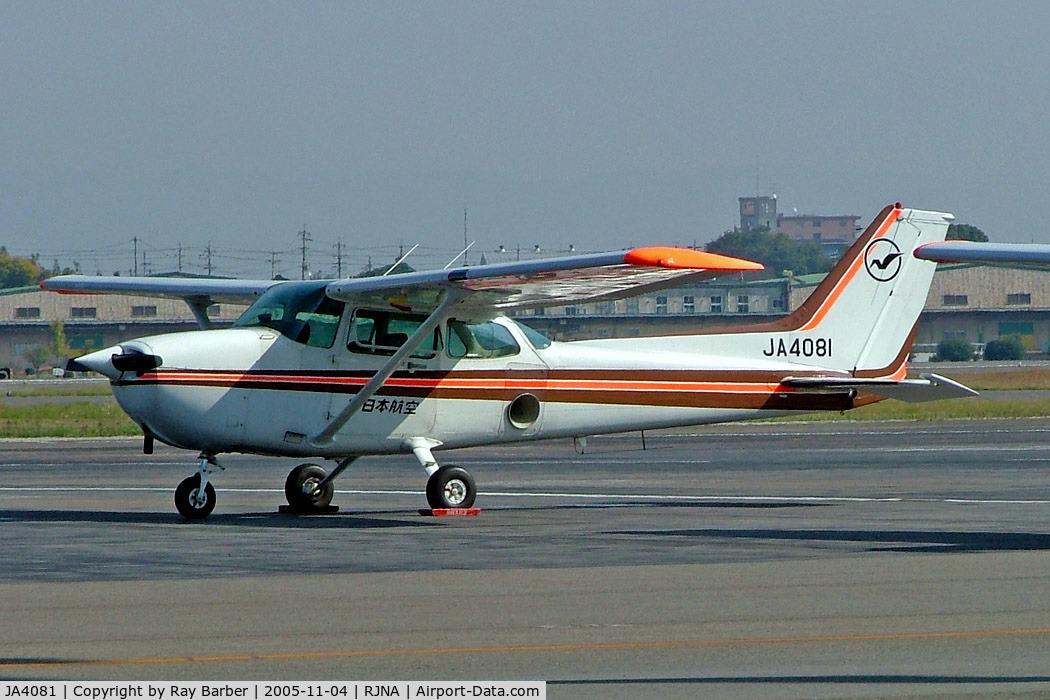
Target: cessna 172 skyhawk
<point>426,360</point>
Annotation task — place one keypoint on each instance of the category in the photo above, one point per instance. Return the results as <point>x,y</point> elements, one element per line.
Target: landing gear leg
<point>448,486</point>
<point>195,496</point>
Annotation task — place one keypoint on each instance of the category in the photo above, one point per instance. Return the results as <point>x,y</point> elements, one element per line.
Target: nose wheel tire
<point>191,502</point>
<point>300,489</point>
<point>451,487</point>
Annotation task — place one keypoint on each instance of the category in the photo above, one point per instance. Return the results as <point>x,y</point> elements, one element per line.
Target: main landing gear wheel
<point>300,487</point>
<point>191,501</point>
<point>451,487</point>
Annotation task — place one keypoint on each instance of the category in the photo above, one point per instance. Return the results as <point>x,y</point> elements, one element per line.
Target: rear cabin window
<point>480,340</point>
<point>383,332</point>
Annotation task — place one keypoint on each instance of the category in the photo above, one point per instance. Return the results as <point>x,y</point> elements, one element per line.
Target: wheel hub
<point>198,498</point>
<point>455,491</point>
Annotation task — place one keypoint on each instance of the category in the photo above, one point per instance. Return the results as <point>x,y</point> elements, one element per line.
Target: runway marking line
<point>518,648</point>
<point>686,498</point>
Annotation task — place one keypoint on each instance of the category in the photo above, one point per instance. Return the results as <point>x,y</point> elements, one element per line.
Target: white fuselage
<point>256,390</point>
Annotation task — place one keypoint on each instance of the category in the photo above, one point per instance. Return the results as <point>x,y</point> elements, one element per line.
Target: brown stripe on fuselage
<point>756,397</point>
<point>327,377</point>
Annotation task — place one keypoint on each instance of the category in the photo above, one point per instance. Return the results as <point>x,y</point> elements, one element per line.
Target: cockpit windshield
<point>297,310</point>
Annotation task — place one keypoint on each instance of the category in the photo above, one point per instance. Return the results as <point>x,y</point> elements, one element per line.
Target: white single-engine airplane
<point>426,360</point>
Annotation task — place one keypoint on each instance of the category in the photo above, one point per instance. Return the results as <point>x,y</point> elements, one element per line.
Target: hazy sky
<point>554,123</point>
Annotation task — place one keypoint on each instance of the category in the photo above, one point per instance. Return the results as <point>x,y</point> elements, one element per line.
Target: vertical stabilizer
<point>861,319</point>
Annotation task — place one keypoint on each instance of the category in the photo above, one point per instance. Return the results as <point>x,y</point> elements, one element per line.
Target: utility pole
<point>207,258</point>
<point>273,264</point>
<point>135,256</point>
<point>339,259</point>
<point>180,257</point>
<point>464,237</point>
<point>305,235</point>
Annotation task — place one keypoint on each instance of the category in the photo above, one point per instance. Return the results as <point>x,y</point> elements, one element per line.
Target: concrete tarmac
<point>759,561</point>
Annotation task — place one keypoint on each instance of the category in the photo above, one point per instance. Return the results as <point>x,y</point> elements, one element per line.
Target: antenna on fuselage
<point>461,254</point>
<point>399,260</point>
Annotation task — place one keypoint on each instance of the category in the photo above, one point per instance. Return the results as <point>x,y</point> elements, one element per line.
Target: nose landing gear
<point>195,496</point>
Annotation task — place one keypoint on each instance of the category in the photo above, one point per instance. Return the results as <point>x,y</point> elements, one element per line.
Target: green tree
<point>59,344</point>
<point>777,251</point>
<point>37,356</point>
<point>953,349</point>
<point>1009,347</point>
<point>401,269</point>
<point>965,232</point>
<point>18,272</point>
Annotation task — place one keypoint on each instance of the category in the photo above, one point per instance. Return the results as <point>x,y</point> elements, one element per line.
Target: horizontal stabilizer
<point>1035,254</point>
<point>932,387</point>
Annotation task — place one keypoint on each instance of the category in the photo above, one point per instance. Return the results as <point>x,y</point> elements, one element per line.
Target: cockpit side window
<point>383,332</point>
<point>302,312</point>
<point>480,340</point>
<point>538,340</point>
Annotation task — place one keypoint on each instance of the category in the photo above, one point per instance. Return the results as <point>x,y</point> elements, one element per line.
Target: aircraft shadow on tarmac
<point>270,519</point>
<point>881,540</point>
<point>355,519</point>
<point>613,504</point>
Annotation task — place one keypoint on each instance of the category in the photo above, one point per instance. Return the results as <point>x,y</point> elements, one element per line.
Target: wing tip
<point>687,259</point>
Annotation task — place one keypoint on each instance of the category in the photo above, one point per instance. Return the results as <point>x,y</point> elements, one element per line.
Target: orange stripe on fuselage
<point>612,385</point>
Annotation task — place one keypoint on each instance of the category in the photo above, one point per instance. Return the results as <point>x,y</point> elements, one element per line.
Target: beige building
<point>981,303</point>
<point>90,321</point>
<point>833,233</point>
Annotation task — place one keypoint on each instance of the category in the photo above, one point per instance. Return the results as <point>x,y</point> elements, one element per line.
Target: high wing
<point>224,291</point>
<point>199,294</point>
<point>484,290</point>
<point>517,285</point>
<point>1034,254</point>
<point>931,387</point>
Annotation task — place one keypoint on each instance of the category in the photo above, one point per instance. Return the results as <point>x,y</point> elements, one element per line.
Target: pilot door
<point>286,391</point>
<point>398,410</point>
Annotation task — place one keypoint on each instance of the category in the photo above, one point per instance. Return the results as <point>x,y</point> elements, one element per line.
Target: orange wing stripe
<point>686,259</point>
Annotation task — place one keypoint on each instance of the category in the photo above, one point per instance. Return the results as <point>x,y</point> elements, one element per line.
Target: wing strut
<point>199,307</point>
<point>449,297</point>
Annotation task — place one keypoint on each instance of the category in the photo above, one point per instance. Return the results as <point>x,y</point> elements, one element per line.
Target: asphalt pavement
<point>771,560</point>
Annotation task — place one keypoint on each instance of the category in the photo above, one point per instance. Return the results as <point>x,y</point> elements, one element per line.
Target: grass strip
<point>87,419</point>
<point>947,409</point>
<point>1005,379</point>
<point>28,390</point>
